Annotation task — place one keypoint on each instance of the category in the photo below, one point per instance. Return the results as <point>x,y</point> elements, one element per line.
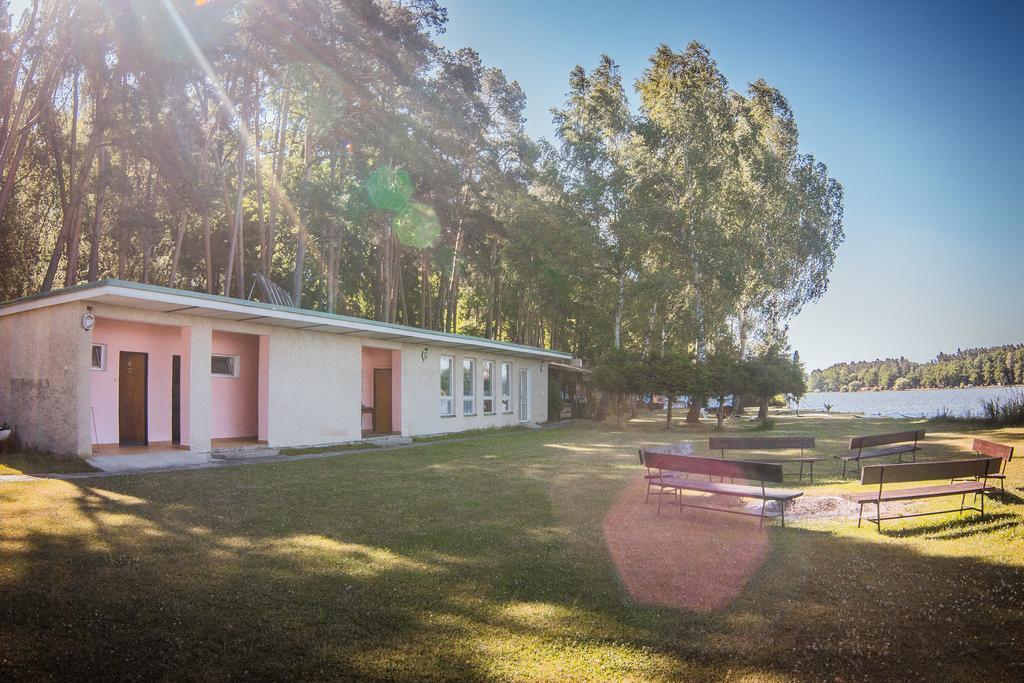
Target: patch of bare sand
<point>693,559</point>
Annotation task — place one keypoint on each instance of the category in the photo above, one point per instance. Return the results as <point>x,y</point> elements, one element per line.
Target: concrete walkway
<point>197,462</point>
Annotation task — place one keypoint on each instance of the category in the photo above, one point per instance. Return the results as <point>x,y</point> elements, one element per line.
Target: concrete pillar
<point>200,348</point>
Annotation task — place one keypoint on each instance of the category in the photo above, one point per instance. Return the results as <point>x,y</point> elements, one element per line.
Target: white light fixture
<point>423,353</point>
<point>88,320</point>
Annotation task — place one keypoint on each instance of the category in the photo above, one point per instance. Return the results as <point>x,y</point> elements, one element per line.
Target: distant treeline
<point>999,365</point>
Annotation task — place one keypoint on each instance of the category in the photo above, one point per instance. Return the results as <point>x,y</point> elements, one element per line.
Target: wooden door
<point>382,400</point>
<point>176,399</point>
<point>131,399</point>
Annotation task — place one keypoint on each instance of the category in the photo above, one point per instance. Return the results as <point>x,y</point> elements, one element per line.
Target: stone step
<point>246,453</point>
<point>394,440</point>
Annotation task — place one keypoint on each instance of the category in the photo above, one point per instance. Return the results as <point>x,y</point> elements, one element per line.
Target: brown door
<point>176,400</point>
<point>131,399</point>
<point>382,400</point>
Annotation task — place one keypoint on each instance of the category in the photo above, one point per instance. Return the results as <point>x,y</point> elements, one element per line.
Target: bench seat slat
<point>807,459</point>
<point>919,492</point>
<point>879,453</point>
<point>740,490</point>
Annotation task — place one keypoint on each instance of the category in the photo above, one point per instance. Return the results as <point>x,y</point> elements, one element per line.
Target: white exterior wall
<point>315,387</point>
<point>45,355</point>
<point>314,380</point>
<point>421,391</point>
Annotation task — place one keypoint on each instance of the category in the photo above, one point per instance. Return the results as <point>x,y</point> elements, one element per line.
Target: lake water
<point>914,403</point>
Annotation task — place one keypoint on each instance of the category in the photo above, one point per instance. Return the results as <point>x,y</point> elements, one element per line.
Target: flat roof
<point>167,300</point>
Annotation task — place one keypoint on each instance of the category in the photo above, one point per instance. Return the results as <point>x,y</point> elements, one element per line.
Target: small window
<point>447,401</point>
<point>468,386</point>
<point>224,366</point>
<point>99,357</point>
<point>488,381</point>
<point>506,387</point>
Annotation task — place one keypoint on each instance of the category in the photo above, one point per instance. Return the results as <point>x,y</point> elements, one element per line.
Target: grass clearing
<point>30,462</point>
<point>484,558</point>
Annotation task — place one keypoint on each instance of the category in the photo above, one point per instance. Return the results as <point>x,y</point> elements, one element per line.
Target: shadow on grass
<point>969,524</point>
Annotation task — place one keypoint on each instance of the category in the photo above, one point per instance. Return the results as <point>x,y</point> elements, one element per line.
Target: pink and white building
<point>122,367</point>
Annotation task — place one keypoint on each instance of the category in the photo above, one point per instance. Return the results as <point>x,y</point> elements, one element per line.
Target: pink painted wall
<point>161,342</point>
<point>383,358</point>
<point>234,401</point>
<point>264,389</point>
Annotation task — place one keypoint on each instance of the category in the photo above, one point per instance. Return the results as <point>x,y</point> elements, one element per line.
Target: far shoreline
<point>879,391</point>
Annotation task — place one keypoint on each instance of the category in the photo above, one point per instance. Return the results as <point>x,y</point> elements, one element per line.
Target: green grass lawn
<point>484,558</point>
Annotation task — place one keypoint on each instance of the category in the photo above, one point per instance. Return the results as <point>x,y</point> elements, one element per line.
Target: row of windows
<point>221,365</point>
<point>504,382</point>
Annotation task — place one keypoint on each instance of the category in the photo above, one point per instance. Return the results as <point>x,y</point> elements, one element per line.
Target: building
<point>115,366</point>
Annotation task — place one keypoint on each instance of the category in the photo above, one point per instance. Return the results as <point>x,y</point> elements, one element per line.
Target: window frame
<point>450,396</point>
<point>236,366</point>
<point>471,397</point>
<point>103,358</point>
<point>506,398</point>
<point>487,377</point>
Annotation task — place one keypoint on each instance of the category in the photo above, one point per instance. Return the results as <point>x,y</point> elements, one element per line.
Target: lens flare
<point>389,188</point>
<point>417,226</point>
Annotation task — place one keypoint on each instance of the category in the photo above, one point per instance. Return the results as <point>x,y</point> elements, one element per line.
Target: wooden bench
<point>663,469</point>
<point>991,449</point>
<point>906,442</point>
<point>767,443</point>
<point>880,475</point>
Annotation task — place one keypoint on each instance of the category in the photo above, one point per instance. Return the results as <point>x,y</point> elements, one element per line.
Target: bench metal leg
<point>878,515</point>
<point>962,499</point>
<point>760,524</point>
<point>782,508</point>
<point>860,515</point>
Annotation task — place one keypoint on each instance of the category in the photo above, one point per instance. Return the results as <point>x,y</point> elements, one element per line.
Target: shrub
<point>1004,412</point>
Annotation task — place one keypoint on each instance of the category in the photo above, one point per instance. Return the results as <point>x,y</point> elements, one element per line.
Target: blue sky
<point>915,108</point>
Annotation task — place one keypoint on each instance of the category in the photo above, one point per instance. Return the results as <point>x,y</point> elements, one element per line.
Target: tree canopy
<point>336,147</point>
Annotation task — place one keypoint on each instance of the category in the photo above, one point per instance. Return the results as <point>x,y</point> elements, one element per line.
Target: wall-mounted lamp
<point>423,354</point>
<point>542,364</point>
<point>88,320</point>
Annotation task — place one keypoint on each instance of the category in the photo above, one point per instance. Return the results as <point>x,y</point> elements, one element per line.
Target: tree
<point>673,374</point>
<point>770,373</point>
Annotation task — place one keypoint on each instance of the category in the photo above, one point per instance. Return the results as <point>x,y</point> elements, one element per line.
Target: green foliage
<point>555,404</point>
<point>994,366</point>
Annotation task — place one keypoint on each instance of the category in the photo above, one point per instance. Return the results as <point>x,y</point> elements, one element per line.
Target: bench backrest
<point>734,469</point>
<point>759,443</point>
<point>859,442</point>
<point>992,449</point>
<point>929,471</point>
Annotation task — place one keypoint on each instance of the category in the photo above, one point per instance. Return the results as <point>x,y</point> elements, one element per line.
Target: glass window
<point>224,366</point>
<point>447,401</point>
<point>524,395</point>
<point>468,382</point>
<point>488,381</point>
<point>506,387</point>
<point>99,356</point>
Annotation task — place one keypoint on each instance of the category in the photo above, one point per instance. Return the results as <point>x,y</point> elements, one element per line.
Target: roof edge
<point>83,291</point>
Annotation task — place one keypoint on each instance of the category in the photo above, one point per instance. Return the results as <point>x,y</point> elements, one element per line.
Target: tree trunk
<point>620,303</point>
<point>762,410</point>
<point>208,252</point>
<point>693,414</point>
<point>669,400</point>
<point>280,139</point>
<point>300,247</point>
<point>97,223</point>
<point>176,258</point>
